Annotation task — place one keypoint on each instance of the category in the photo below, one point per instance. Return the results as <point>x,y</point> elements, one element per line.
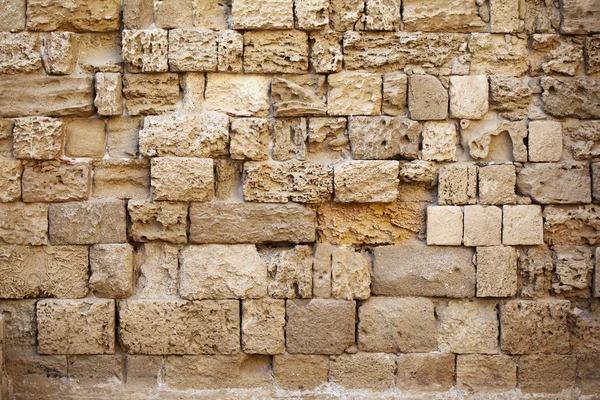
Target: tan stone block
<point>13,17</point>
<point>37,138</point>
<point>84,326</point>
<point>109,96</point>
<point>497,184</point>
<point>28,375</point>
<point>497,54</point>
<point>20,53</point>
<point>571,97</point>
<point>56,181</point>
<point>85,138</point>
<point>440,141</point>
<point>262,14</point>
<point>112,270</point>
<point>597,276</point>
<point>326,51</point>
<point>98,221</point>
<point>571,224</point>
<point>469,96</point>
<point>588,380</point>
<point>319,326</point>
<point>138,14</point>
<point>350,275</point>
<point>24,224</point>
<point>275,51</point>
<point>211,15</point>
<point>78,15</point>
<point>395,89</point>
<point>425,372</point>
<point>366,181</point>
<point>230,51</point>
<point>193,84</point>
<point>19,328</point>
<point>99,52</point>
<point>522,225</point>
<point>121,179</point>
<point>48,271</point>
<point>583,328</point>
<point>321,286</point>
<point>354,93</point>
<point>384,137</point>
<point>97,368</point>
<point>576,21</point>
<point>392,325</point>
<point>495,140</point>
<point>382,15</point>
<point>468,326</point>
<point>427,98</point>
<point>157,221</point>
<point>327,139</point>
<point>192,50</point>
<point>157,270</point>
<point>311,14</point>
<point>545,141</point>
<point>263,323</point>
<point>145,50</point>
<point>171,14</point>
<point>10,180</point>
<point>59,53</point>
<point>504,15</point>
<point>314,369</point>
<point>496,271</point>
<point>511,96</point>
<point>179,327</point>
<point>144,370</point>
<point>535,268</point>
<point>182,179</point>
<point>228,179</point>
<point>596,181</point>
<point>446,16</point>
<point>483,226</point>
<point>290,272</point>
<point>289,139</point>
<point>220,272</point>
<point>251,223</point>
<point>546,373</point>
<point>364,371</point>
<point>147,94</point>
<point>347,14</point>
<point>573,269</point>
<point>534,326</point>
<point>457,184</point>
<point>250,139</point>
<point>122,136</point>
<point>592,54</point>
<point>553,54</point>
<point>444,225</point>
<point>238,95</point>
<point>299,95</point>
<point>572,182</point>
<point>490,373</point>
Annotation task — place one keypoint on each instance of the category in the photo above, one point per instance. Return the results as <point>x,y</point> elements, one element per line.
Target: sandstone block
<point>192,50</point>
<point>427,98</point>
<point>276,51</point>
<point>99,221</point>
<point>581,16</point>
<point>571,97</point>
<point>350,275</point>
<point>468,327</point>
<point>573,268</point>
<point>393,325</point>
<point>157,221</point>
<point>469,96</point>
<point>569,183</point>
<point>421,270</point>
<point>37,138</point>
<point>250,139</point>
<point>122,137</point>
<point>326,51</point>
<point>179,327</point>
<point>112,270</point>
<point>24,224</point>
<point>143,370</point>
<point>13,18</point>
<point>497,184</point>
<point>592,54</point>
<point>366,182</point>
<point>587,373</point>
<point>263,323</point>
<point>496,54</point>
<point>146,50</point>
<point>425,372</point>
<point>86,369</point>
<point>20,53</point>
<point>322,270</point>
<point>109,96</point>
<point>354,93</point>
<point>147,94</point>
<point>251,223</point>
<point>374,138</point>
<point>327,139</point>
<point>440,141</point>
<point>382,15</point>
<point>364,371</point>
<point>290,272</point>
<point>522,225</point>
<point>157,270</point>
<point>29,376</point>
<point>539,16</point>
<point>99,52</point>
<point>262,14</point>
<point>347,15</point>
<point>289,139</point>
<point>84,326</point>
<point>10,180</point>
<point>483,226</point>
<point>230,50</point>
<point>445,16</point>
<point>55,181</point>
<point>504,15</point>
<point>228,179</point>
<point>511,96</point>
<point>496,271</point>
<point>546,373</point>
<point>299,95</point>
<point>490,373</point>
<point>311,14</point>
<point>238,95</point>
<point>78,15</point>
<point>19,327</point>
<point>182,179</point>
<point>495,140</point>
<point>572,225</point>
<point>319,326</point>
<point>457,184</point>
<point>545,141</point>
<point>314,369</point>
<point>444,225</point>
<point>85,138</point>
<point>583,327</point>
<point>121,179</point>
<point>59,53</point>
<point>553,54</point>
<point>395,89</point>
<point>171,14</point>
<point>193,84</point>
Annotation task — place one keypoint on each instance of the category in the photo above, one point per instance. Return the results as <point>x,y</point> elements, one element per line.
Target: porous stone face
<point>276,51</point>
<point>556,183</point>
<point>241,96</point>
<point>496,54</point>
<point>382,15</point>
<point>299,95</point>
<point>572,225</point>
<point>289,139</point>
<point>363,371</point>
<point>573,271</point>
<point>10,180</point>
<point>495,140</point>
<point>314,371</point>
<point>122,137</point>
<point>311,14</point>
<point>483,226</point>
<point>392,325</point>
<point>109,96</point>
<point>20,53</point>
<point>157,270</point>
<point>37,138</point>
<point>354,93</point>
<point>163,221</point>
<point>263,323</point>
<point>497,184</point>
<point>229,51</point>
<point>583,327</point>
<point>468,96</point>
<point>395,89</point>
<point>192,50</point>
<point>121,179</point>
<point>111,270</point>
<point>522,225</point>
<point>350,275</point>
<point>19,327</point>
<point>427,98</point>
<point>55,181</point>
<point>148,94</point>
<point>581,138</point>
<point>425,371</point>
<point>146,50</point>
<point>375,138</point>
<point>496,271</point>
<point>510,95</point>
<point>347,15</point>
<point>592,52</point>
<point>449,16</point>
<point>24,224</point>
<point>84,326</point>
<point>13,18</point>
<point>250,139</point>
<point>555,55</point>
<point>576,21</point>
<point>504,15</point>
<point>59,54</point>
<point>290,273</point>
<point>366,182</point>
<point>326,51</point>
<point>179,327</point>
<point>444,225</point>
<point>457,184</point>
<point>182,179</point>
<point>78,15</point>
<point>571,97</point>
<point>440,141</point>
<point>262,14</point>
<point>536,372</point>
<point>495,373</point>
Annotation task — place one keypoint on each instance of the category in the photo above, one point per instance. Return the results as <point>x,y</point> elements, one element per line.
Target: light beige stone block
<point>59,53</point>
<point>427,98</point>
<point>457,184</point>
<point>468,326</point>
<point>56,181</point>
<point>230,50</point>
<point>263,323</point>
<point>483,226</point>
<point>10,180</point>
<point>497,184</point>
<point>444,225</point>
<point>366,182</point>
<point>109,96</point>
<point>37,138</point>
<point>111,270</point>
<point>238,95</point>
<point>164,221</point>
<point>469,96</point>
<point>24,224</point>
<point>262,14</point>
<point>350,275</point>
<point>192,50</point>
<point>522,225</point>
<point>354,93</point>
<point>146,50</point>
<point>545,141</point>
<point>311,14</point>
<point>182,179</point>
<point>290,272</point>
<point>250,139</point>
<point>440,141</point>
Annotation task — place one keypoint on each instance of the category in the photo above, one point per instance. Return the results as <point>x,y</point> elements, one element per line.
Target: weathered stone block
<point>60,53</point>
<point>522,225</point>
<point>230,50</point>
<point>483,226</point>
<point>122,136</point>
<point>99,52</point>
<point>299,95</point>
<point>311,14</point>
<point>545,141</point>
<point>497,54</point>
<point>569,183</point>
<point>289,139</point>
<point>350,275</point>
<point>89,369</point>
<point>497,184</point>
<point>157,221</point>
<point>182,179</point>
<point>546,373</point>
<point>596,182</point>
<point>109,96</point>
<point>576,225</point>
<point>364,371</point>
<point>580,16</point>
<point>13,17</point>
<point>10,180</point>
<point>262,14</point>
<point>171,14</point>
<point>592,54</point>
<point>112,270</point>
<point>468,326</point>
<point>354,93</point>
<point>375,138</point>
<point>445,16</point>
<point>444,225</point>
<point>276,51</point>
<point>573,267</point>
<point>382,15</point>
<point>263,323</point>
<point>78,15</point>
<point>228,179</point>
<point>571,97</point>
<point>121,179</point>
<point>290,272</point>
<point>583,327</point>
<point>28,375</point>
<point>20,53</point>
<point>37,138</point>
<point>587,373</point>
<point>192,50</point>
<point>24,224</point>
<point>193,84</point>
<point>511,96</point>
<point>395,89</point>
<point>326,51</point>
<point>327,139</point>
<point>504,16</point>
<point>457,184</point>
<point>489,373</point>
<point>347,15</point>
<point>427,98</point>
<point>144,370</point>
<point>19,327</point>
<point>250,139</point>
<point>495,140</point>
<point>238,95</point>
<point>56,181</point>
<point>496,271</point>
<point>425,372</point>
<point>440,141</point>
<point>147,94</point>
<point>553,54</point>
<point>157,270</point>
<point>146,50</point>
<point>85,138</point>
<point>314,369</point>
<point>366,182</point>
<point>469,96</point>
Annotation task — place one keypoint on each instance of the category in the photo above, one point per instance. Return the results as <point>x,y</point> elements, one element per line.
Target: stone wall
<point>300,199</point>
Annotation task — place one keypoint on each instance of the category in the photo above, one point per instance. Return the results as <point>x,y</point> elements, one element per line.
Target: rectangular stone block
<point>37,138</point>
<point>496,271</point>
<point>192,50</point>
<point>493,373</point>
<point>13,18</point>
<point>250,139</point>
<point>354,93</point>
<point>289,272</point>
<point>238,95</point>
<point>440,141</point>
<point>588,379</point>
<point>144,370</point>
<point>24,224</point>
<point>230,51</point>
<point>182,179</point>
<point>382,15</point>
<point>121,179</point>
<point>20,53</point>
<point>468,326</point>
<point>571,97</point>
<point>76,326</point>
<point>572,182</point>
<point>179,327</point>
<point>122,136</point>
<point>314,369</point>
<point>374,371</point>
<point>148,94</point>
<point>289,139</point>
<point>571,225</point>
<point>497,184</point>
<point>326,51</point>
<point>10,180</point>
<point>77,15</point>
<point>469,96</point>
<point>375,138</point>
<point>145,50</point>
<point>497,54</point>
<point>350,275</point>
<point>366,181</point>
<point>581,16</point>
<point>262,14</point>
<point>483,226</point>
<point>395,89</point>
<point>311,14</point>
<point>85,369</point>
<point>573,269</point>
<point>60,55</point>
<point>85,138</point>
<point>164,221</point>
<point>56,181</point>
<point>547,373</point>
<point>157,270</point>
<point>442,15</point>
<point>109,93</point>
<point>28,375</point>
<point>111,268</point>
<point>99,221</point>
<point>444,225</point>
<point>299,95</point>
<point>19,328</point>
<point>263,323</point>
<point>327,139</point>
<point>522,225</point>
<point>428,372</point>
<point>276,51</point>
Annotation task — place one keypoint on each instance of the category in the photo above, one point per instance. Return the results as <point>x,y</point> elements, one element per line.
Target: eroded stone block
<point>496,271</point>
<point>182,179</point>
<point>192,50</point>
<point>146,50</point>
<point>374,138</point>
<point>78,15</point>
<point>262,14</point>
<point>350,275</point>
<point>290,273</point>
<point>354,93</point>
<point>37,138</point>
<point>427,98</point>
<point>263,323</point>
<point>366,182</point>
<point>250,139</point>
<point>147,94</point>
<point>157,221</point>
<point>457,184</point>
<point>522,225</point>
<point>363,371</point>
<point>299,95</point>
<point>111,270</point>
<point>20,53</point>
<point>446,16</point>
<point>24,224</point>
<point>238,95</point>
<point>275,51</point>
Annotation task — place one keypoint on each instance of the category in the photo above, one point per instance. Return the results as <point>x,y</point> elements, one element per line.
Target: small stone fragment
<point>157,221</point>
<point>112,270</point>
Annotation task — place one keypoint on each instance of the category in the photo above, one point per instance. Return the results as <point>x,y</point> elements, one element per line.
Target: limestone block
<point>147,94</point>
<point>20,53</point>
<point>573,269</point>
<point>468,96</point>
<point>581,16</point>
<point>553,54</point>
<point>109,96</point>
<point>146,50</point>
<point>299,95</point>
<point>179,327</point>
<point>583,327</point>
<point>182,179</point>
<point>171,14</point>
<point>427,98</point>
<point>290,272</point>
<point>112,270</point>
<point>262,14</point>
<point>193,84</point>
<point>56,181</point>
<point>228,180</point>
<point>251,223</point>
<point>37,138</point>
<point>250,139</point>
<point>192,50</point>
<point>263,323</point>
<point>354,93</point>
<point>364,371</point>
<point>314,369</point>
<point>546,373</point>
<point>86,369</point>
<point>345,15</point>
<point>495,140</point>
<point>48,271</point>
<point>382,15</point>
<point>582,138</point>
<point>504,16</point>
<point>587,373</point>
<point>511,96</point>
<point>539,16</point>
<point>322,270</point>
<point>421,270</point>
<point>366,182</point>
<point>592,54</point>
<point>98,221</point>
<point>556,183</point>
<point>84,326</point>
<point>522,225</point>
<point>577,225</point>
<point>143,370</point>
<point>46,95</point>
<point>275,51</point>
<point>444,225</point>
<point>571,97</point>
<point>157,270</point>
<point>289,139</point>
<point>350,275</point>
<point>28,374</point>
<point>319,326</point>
<point>19,326</point>
<point>311,14</point>
<point>59,53</point>
<point>497,54</point>
<point>440,141</point>
<point>374,138</point>
<point>483,226</point>
<point>85,138</point>
<point>13,17</point>
<point>445,16</point>
<point>425,372</point>
<point>490,373</point>
<point>122,136</point>
<point>99,52</point>
<point>344,223</point>
<point>138,14</point>
<point>468,326</point>
<point>419,171</point>
<point>24,224</point>
<point>497,184</point>
<point>395,89</point>
<point>327,139</point>
<point>212,15</point>
<point>219,272</point>
<point>157,221</point>
<point>457,184</point>
<point>300,182</point>
<point>530,326</point>
<point>326,51</point>
<point>77,15</point>
<point>230,50</point>
<point>393,325</point>
<point>535,267</point>
<point>238,95</point>
<point>496,271</point>
<point>121,179</point>
<point>10,180</point>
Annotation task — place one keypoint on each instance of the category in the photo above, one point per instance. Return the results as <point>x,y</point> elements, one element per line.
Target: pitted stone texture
<point>571,97</point>
<point>163,221</point>
<point>179,327</point>
<point>395,89</point>
<point>457,184</point>
<point>13,17</point>
<point>228,180</point>
<point>18,317</point>
<point>483,225</point>
<point>146,50</point>
<point>37,138</point>
<point>230,50</point>
<point>276,51</point>
<point>238,95</point>
<point>553,54</point>
<point>350,275</point>
<point>56,181</point>
<point>545,141</point>
<point>250,139</point>
<point>468,326</point>
<point>24,224</point>
<point>496,271</point>
<point>573,271</point>
<point>592,54</point>
<point>311,14</point>
<point>442,15</point>
<point>582,139</point>
<point>346,15</point>
<point>581,16</point>
<point>10,180</point>
<point>530,326</point>
<point>263,323</point>
<point>522,225</point>
<point>428,372</point>
<point>496,54</point>
<point>182,179</point>
<point>363,371</point>
<point>535,267</point>
<point>112,270</point>
<point>299,95</point>
<point>504,16</point>
<point>20,53</point>
<point>77,15</point>
<point>314,371</point>
<point>511,96</point>
<point>192,50</point>
<point>382,15</point>
<point>300,182</point>
<point>416,269</point>
<point>319,326</point>
<point>556,183</point>
<point>262,14</point>
<point>354,93</point>
<point>322,270</point>
<point>121,179</point>
<point>219,272</point>
<point>327,139</point>
<point>444,225</point>
<point>60,53</point>
<point>48,271</point>
<point>157,270</point>
<point>493,373</point>
<point>147,94</point>
<point>539,16</point>
<point>326,51</point>
<point>289,139</point>
<point>546,373</point>
<point>469,96</point>
<point>366,182</point>
<point>76,326</point>
<point>397,325</point>
<point>427,98</point>
<point>583,326</point>
<point>577,225</point>
<point>28,374</point>
<point>497,184</point>
<point>290,273</point>
<point>374,138</point>
<point>440,141</point>
<point>109,96</point>
<point>251,223</point>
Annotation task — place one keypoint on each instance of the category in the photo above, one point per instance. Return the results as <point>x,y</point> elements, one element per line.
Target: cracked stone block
<point>290,272</point>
